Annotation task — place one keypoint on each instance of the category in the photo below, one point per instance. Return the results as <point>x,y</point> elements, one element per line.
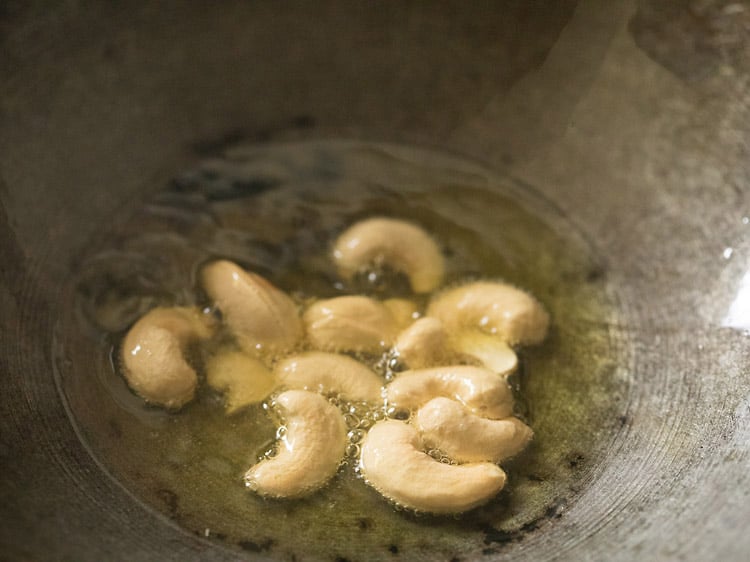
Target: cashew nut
<point>423,344</point>
<point>330,373</point>
<point>482,391</point>
<point>399,244</point>
<point>259,314</point>
<point>394,464</point>
<point>243,379</point>
<point>500,309</point>
<point>310,451</point>
<point>153,354</point>
<point>465,437</point>
<point>492,352</point>
<point>404,311</point>
<point>350,324</point>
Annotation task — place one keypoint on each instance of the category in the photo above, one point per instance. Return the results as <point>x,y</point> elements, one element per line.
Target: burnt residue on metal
<point>502,537</point>
<point>217,145</point>
<point>492,535</point>
<point>214,187</point>
<point>575,459</point>
<point>253,546</point>
<point>596,274</point>
<point>170,500</point>
<point>365,524</point>
<point>115,431</point>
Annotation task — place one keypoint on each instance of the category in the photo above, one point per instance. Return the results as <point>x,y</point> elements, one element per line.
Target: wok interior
<point>607,113</point>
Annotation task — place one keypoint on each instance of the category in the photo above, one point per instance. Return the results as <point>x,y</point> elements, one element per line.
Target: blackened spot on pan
<point>555,511</point>
<point>303,122</point>
<point>252,546</point>
<point>393,549</point>
<point>595,274</point>
<point>212,147</point>
<point>492,535</point>
<point>365,524</point>
<point>170,500</point>
<point>240,188</point>
<point>210,175</point>
<point>575,459</point>
<point>115,431</point>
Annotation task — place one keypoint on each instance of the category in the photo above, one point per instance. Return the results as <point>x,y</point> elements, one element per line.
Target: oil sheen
<point>276,209</point>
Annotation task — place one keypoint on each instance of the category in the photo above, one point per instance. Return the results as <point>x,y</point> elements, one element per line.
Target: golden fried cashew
<point>244,380</point>
<point>330,373</point>
<point>399,244</point>
<point>493,353</point>
<point>310,451</point>
<point>499,309</point>
<point>423,344</point>
<point>394,463</point>
<point>259,314</point>
<point>404,311</point>
<point>449,426</point>
<point>482,391</point>
<point>153,354</point>
<point>350,323</point>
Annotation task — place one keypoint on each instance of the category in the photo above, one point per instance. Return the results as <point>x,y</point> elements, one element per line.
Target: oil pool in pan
<point>276,209</point>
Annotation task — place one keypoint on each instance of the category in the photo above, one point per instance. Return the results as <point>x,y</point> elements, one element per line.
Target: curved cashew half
<point>258,313</point>
<point>493,353</point>
<point>482,391</point>
<point>399,244</point>
<point>404,311</point>
<point>329,372</point>
<point>310,451</point>
<point>500,309</point>
<point>152,354</point>
<point>350,324</point>
<point>423,344</point>
<point>244,380</point>
<point>394,464</point>
<point>465,437</point>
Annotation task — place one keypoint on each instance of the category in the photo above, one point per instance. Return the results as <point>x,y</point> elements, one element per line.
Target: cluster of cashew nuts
<point>453,397</point>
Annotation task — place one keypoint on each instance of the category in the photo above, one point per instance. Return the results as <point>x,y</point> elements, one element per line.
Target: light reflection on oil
<point>738,315</point>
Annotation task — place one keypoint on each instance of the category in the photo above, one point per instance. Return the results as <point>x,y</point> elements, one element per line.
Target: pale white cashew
<point>423,344</point>
<point>244,380</point>
<point>397,243</point>
<point>499,309</point>
<point>260,315</point>
<point>404,311</point>
<point>492,352</point>
<point>330,373</point>
<point>482,391</point>
<point>153,354</point>
<point>394,463</point>
<point>465,437</point>
<point>309,452</point>
<point>350,323</point>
